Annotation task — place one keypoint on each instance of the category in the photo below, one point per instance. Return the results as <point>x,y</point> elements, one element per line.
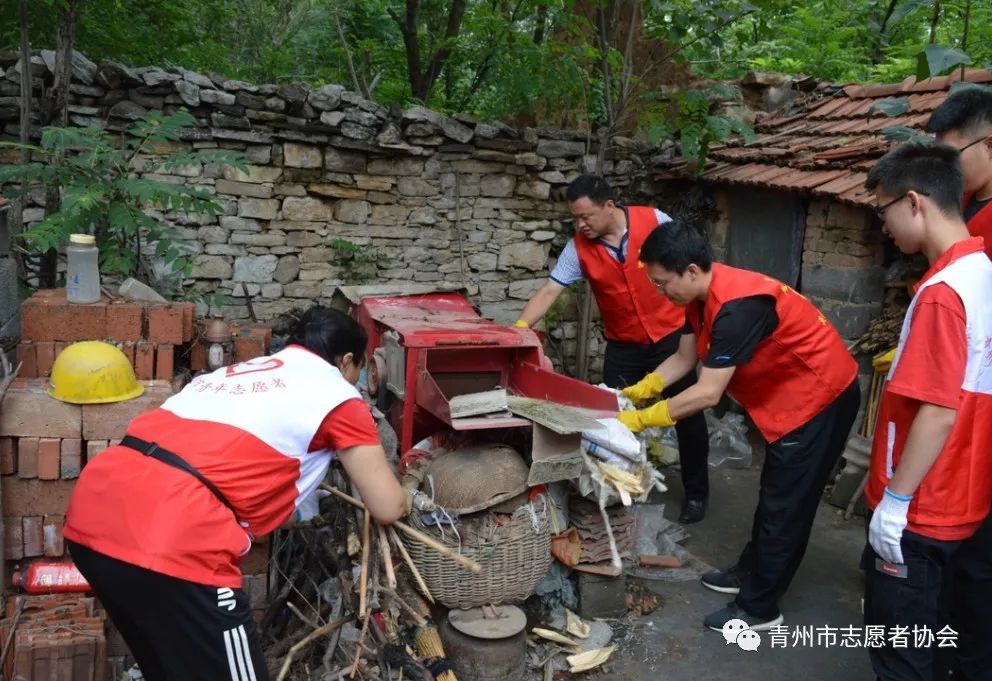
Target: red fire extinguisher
<point>47,578</point>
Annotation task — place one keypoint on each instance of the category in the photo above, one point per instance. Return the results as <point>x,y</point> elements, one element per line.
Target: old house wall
<point>842,260</point>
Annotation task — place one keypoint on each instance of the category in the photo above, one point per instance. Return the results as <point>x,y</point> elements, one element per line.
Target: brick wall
<point>843,254</point>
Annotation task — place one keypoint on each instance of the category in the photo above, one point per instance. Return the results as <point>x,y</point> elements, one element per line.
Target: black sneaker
<point>724,581</point>
<point>693,510</point>
<point>716,620</point>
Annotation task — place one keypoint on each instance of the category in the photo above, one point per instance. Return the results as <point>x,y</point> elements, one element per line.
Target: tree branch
<point>440,57</point>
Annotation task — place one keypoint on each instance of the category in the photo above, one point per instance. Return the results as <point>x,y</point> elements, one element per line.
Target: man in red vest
<point>930,478</point>
<point>964,121</point>
<point>779,357</point>
<point>642,327</point>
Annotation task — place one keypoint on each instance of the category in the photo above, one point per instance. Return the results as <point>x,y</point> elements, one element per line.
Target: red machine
<point>429,347</point>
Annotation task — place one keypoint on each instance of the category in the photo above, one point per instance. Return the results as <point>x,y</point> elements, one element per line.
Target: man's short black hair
<point>967,111</point>
<point>928,168</point>
<point>594,187</point>
<point>675,245</point>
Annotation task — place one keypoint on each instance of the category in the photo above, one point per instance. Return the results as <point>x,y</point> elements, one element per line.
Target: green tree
<point>103,194</point>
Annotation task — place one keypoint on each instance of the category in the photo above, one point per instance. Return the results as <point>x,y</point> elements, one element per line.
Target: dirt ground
<point>672,644</point>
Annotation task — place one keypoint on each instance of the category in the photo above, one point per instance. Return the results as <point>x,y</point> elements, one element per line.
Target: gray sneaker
<point>724,581</point>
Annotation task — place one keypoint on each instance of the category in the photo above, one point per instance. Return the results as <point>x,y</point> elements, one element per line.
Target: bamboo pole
<point>410,564</point>
<point>424,539</point>
<point>363,587</point>
<point>387,557</point>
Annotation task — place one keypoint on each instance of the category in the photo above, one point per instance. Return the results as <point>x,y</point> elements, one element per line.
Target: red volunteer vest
<point>957,490</point>
<point>247,428</point>
<point>796,372</point>
<point>980,224</point>
<point>632,309</point>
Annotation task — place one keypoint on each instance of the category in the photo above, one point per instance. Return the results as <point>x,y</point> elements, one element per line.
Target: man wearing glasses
<point>642,328</point>
<point>930,476</point>
<point>964,121</point>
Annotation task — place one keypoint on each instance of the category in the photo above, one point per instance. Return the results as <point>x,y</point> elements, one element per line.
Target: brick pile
<point>58,636</point>
<point>147,333</point>
<point>44,444</point>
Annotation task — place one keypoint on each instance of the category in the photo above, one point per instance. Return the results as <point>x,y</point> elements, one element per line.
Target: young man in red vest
<point>642,327</point>
<point>964,121</point>
<point>930,479</point>
<point>779,357</point>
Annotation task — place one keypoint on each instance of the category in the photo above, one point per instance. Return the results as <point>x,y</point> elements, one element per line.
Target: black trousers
<point>917,600</point>
<point>971,606</point>
<point>176,630</point>
<point>626,364</point>
<point>793,476</point>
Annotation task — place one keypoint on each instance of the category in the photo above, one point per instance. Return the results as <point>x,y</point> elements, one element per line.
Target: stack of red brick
<point>44,443</point>
<point>58,636</point>
<point>147,333</point>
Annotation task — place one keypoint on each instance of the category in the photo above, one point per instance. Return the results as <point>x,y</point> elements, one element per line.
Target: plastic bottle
<point>82,271</point>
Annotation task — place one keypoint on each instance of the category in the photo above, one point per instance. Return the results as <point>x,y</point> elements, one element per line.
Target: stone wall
<point>438,199</point>
<point>843,257</point>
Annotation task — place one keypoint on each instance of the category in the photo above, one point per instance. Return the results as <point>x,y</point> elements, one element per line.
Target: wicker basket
<point>514,558</point>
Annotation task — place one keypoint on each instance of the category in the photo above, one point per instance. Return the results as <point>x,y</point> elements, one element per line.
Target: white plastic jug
<point>82,277</point>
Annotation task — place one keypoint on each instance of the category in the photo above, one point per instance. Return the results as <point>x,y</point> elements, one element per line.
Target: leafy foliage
<point>104,194</point>
<point>358,262</point>
<point>698,127</point>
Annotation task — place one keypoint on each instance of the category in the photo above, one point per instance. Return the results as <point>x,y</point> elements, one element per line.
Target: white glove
<point>887,523</point>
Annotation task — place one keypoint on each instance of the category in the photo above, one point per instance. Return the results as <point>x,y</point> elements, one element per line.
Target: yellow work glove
<point>521,324</point>
<point>646,388</point>
<point>655,416</point>
<point>882,362</point>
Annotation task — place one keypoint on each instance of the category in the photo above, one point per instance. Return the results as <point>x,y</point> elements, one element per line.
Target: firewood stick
<point>410,564</point>
<point>424,539</point>
<point>358,649</point>
<point>363,587</point>
<point>387,557</point>
<point>310,638</point>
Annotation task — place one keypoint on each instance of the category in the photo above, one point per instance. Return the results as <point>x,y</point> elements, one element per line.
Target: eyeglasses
<point>971,144</point>
<point>880,210</point>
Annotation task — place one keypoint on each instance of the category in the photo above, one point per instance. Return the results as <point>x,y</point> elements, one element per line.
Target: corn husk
<point>575,626</point>
<point>589,660</point>
<point>554,636</point>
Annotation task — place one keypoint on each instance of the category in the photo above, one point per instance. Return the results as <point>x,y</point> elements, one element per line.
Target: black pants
<point>917,600</point>
<point>971,606</point>
<point>794,474</point>
<point>626,364</point>
<point>176,630</point>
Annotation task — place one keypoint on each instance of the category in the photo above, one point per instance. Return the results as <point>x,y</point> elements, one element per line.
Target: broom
<point>427,640</point>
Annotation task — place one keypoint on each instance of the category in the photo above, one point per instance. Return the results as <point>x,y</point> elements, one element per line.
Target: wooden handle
<point>424,539</point>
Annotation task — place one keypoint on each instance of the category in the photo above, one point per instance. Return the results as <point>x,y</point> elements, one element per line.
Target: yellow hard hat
<point>93,372</point>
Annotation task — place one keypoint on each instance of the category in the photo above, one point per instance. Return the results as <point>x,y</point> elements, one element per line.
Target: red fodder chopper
<point>428,350</point>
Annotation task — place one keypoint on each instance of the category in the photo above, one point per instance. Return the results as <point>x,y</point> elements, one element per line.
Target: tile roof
<point>828,147</point>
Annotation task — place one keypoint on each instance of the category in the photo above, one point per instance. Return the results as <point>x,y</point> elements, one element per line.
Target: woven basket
<point>514,558</point>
